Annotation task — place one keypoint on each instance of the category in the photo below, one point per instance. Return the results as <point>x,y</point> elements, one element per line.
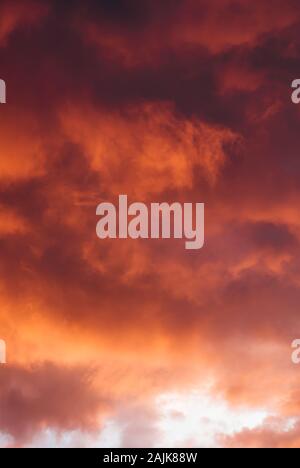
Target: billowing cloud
<point>161,150</point>
<point>42,396</point>
<point>273,434</point>
<point>199,112</point>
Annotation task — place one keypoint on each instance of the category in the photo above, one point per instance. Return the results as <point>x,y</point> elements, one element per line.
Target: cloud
<point>138,427</point>
<point>274,433</point>
<point>18,14</point>
<point>42,396</point>
<point>200,112</point>
<point>180,25</point>
<point>161,150</point>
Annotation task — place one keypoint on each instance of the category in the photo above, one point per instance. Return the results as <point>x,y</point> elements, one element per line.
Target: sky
<point>141,343</point>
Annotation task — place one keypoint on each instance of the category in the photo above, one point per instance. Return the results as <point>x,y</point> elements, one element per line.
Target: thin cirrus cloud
<point>200,113</point>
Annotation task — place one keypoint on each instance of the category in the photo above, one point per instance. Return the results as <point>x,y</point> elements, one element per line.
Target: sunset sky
<point>141,343</point>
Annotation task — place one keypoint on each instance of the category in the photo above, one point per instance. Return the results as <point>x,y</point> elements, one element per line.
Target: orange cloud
<point>160,150</point>
<point>199,113</point>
